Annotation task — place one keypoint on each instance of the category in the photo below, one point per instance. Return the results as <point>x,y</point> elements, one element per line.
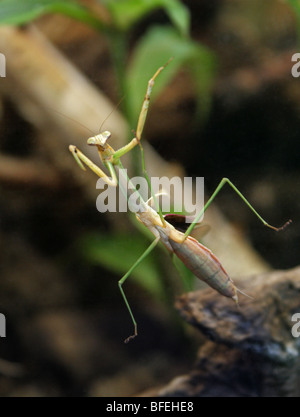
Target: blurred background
<point>226,106</point>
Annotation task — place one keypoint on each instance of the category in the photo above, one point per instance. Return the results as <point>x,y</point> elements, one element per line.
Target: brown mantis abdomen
<point>204,265</point>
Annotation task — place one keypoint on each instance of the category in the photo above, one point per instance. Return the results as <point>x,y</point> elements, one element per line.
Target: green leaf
<point>158,45</point>
<point>16,12</point>
<point>127,12</point>
<point>118,252</point>
<point>295,4</point>
<point>179,15</point>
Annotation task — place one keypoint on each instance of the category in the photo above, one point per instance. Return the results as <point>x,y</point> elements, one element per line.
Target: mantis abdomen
<point>204,265</point>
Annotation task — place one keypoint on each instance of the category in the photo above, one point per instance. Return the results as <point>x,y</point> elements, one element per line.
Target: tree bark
<point>250,349</point>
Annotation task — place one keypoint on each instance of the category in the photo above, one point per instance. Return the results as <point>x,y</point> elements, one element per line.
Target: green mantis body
<point>199,259</point>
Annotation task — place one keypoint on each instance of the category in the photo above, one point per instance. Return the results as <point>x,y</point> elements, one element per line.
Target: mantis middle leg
<point>123,279</point>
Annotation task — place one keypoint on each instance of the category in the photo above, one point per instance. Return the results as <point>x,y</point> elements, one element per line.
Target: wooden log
<point>250,350</point>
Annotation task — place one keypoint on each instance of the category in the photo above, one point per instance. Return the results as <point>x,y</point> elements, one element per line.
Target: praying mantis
<point>199,259</point>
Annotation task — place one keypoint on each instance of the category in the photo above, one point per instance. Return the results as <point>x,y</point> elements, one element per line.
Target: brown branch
<point>28,172</point>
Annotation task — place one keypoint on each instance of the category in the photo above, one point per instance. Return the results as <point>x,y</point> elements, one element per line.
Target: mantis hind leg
<point>123,279</point>
<point>215,193</point>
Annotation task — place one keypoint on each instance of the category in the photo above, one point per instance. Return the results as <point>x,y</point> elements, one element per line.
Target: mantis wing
<point>182,222</point>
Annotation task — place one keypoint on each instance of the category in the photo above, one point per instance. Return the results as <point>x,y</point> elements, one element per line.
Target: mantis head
<point>99,140</point>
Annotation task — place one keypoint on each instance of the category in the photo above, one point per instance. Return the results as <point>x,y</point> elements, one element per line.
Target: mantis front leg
<point>107,154</point>
<point>80,157</point>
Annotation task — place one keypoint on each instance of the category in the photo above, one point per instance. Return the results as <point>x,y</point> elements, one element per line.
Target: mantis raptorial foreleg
<point>80,157</point>
<point>215,193</point>
<point>123,279</point>
<point>107,154</point>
